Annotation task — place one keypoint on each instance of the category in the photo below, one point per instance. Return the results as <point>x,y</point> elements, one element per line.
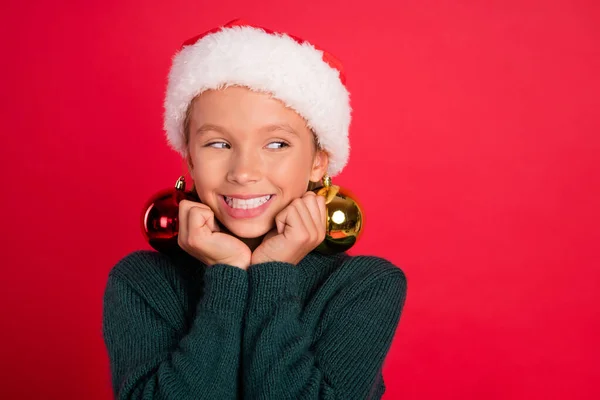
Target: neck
<point>252,243</point>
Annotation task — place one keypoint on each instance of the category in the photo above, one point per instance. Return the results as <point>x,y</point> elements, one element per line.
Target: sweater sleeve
<point>153,358</point>
<point>282,361</point>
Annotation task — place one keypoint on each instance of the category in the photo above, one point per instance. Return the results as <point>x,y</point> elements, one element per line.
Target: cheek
<point>205,179</point>
<point>291,176</point>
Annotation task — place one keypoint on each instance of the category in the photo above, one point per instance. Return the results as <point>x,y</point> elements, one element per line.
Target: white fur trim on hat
<point>292,72</point>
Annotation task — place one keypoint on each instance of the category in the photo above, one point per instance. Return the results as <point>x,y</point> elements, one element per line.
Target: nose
<point>245,167</point>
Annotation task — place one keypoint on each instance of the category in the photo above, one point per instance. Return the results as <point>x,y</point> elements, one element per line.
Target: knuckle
<point>193,242</point>
<point>314,237</point>
<point>184,205</point>
<point>321,236</point>
<point>304,236</point>
<point>200,206</point>
<point>196,214</point>
<point>202,209</point>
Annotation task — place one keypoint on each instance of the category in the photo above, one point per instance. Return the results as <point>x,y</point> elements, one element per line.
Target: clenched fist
<point>300,228</point>
<point>199,235</point>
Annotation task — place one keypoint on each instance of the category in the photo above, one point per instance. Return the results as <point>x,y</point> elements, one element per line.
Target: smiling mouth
<point>247,204</point>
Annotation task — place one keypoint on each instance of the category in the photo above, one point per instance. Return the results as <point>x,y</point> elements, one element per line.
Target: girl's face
<point>249,157</point>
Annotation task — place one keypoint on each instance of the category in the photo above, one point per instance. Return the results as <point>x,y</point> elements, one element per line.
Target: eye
<point>218,145</point>
<point>277,145</point>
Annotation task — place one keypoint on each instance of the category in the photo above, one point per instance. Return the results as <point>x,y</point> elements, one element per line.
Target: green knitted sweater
<point>177,329</point>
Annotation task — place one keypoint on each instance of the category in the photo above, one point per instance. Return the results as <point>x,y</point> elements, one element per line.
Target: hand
<point>199,235</point>
<point>300,227</point>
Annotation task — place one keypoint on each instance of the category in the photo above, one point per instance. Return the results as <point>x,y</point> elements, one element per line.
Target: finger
<point>183,216</point>
<point>201,221</point>
<point>280,219</point>
<point>289,222</point>
<point>306,218</point>
<point>320,218</point>
<point>182,221</point>
<point>199,233</point>
<point>323,210</point>
<point>185,205</point>
<point>317,212</point>
<point>322,202</point>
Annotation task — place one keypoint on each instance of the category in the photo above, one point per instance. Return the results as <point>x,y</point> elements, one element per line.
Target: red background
<point>474,154</point>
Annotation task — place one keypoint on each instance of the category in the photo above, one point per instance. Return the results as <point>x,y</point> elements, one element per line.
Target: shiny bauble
<point>160,217</point>
<point>344,220</point>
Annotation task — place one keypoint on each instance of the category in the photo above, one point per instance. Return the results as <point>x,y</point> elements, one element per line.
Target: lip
<point>240,213</point>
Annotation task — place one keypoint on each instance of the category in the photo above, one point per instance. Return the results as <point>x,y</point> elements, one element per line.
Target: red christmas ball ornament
<point>160,217</point>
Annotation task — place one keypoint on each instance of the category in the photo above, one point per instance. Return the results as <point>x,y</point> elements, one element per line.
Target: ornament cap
<point>180,184</point>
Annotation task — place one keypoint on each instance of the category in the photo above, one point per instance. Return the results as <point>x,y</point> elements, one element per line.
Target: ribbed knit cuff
<point>225,288</point>
<point>270,282</point>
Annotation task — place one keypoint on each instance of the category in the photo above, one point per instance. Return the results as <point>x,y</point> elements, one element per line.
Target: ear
<point>320,164</point>
<point>188,161</point>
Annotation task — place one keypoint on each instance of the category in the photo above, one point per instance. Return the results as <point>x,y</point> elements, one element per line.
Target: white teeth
<point>247,203</point>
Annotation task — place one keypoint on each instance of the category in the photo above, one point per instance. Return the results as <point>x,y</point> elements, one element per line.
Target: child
<point>244,308</point>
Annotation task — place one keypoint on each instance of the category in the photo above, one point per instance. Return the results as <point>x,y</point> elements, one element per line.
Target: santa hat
<point>305,78</point>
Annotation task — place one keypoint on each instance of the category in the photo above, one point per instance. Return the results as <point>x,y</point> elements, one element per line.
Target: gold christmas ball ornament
<point>344,219</point>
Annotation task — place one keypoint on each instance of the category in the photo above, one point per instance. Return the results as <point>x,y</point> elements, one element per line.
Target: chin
<point>248,229</point>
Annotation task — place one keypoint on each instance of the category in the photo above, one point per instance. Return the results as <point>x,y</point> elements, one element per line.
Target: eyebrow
<point>283,127</point>
<point>211,127</point>
<point>266,128</point>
